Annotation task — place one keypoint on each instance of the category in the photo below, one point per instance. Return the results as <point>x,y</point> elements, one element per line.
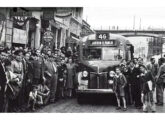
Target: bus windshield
<point>105,53</point>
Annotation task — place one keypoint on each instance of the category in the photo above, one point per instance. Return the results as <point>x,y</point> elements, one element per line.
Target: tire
<point>80,99</point>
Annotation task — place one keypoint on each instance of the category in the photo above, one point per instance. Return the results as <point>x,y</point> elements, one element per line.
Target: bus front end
<point>99,57</point>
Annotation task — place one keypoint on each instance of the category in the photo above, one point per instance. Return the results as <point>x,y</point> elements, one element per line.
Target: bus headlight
<point>111,73</point>
<point>85,74</point>
<point>110,82</point>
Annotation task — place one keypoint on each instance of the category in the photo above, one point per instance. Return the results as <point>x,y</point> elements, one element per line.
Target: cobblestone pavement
<point>71,106</point>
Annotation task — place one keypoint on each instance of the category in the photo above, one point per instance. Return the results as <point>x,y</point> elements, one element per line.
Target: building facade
<point>40,28</point>
<point>154,46</point>
<point>86,30</point>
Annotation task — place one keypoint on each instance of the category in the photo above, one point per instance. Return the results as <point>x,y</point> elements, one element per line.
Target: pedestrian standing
<point>70,76</point>
<point>3,81</point>
<point>119,85</point>
<point>135,83</point>
<point>28,75</point>
<point>62,70</point>
<point>160,81</point>
<point>148,86</point>
<point>38,68</point>
<point>17,68</point>
<point>51,68</point>
<point>128,85</point>
<point>153,67</point>
<point>11,87</point>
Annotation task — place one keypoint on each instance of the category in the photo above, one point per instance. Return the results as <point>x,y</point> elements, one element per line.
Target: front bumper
<point>97,91</point>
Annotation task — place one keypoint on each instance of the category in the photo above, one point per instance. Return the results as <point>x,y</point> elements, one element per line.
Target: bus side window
<point>129,52</point>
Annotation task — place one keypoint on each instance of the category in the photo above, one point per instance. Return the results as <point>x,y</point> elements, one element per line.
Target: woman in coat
<point>70,76</point>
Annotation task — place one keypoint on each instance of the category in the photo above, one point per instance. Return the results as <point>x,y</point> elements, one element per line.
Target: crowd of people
<point>135,83</point>
<point>32,78</point>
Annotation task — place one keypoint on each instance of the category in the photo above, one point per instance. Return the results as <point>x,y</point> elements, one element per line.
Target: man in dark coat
<point>160,81</point>
<point>28,75</point>
<point>51,68</point>
<point>61,78</point>
<point>38,69</point>
<point>2,85</point>
<point>134,73</point>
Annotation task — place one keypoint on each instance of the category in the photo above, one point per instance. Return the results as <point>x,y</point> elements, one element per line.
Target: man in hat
<point>17,68</point>
<point>28,71</point>
<point>51,67</point>
<point>62,71</point>
<point>38,68</point>
<point>133,73</point>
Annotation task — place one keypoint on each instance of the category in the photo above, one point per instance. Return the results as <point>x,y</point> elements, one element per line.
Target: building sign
<point>20,20</point>
<point>20,17</point>
<point>102,36</point>
<point>102,43</point>
<point>63,12</point>
<point>48,36</point>
<point>19,36</point>
<point>47,41</point>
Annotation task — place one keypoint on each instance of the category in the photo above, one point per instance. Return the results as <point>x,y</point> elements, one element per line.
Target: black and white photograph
<point>82,59</point>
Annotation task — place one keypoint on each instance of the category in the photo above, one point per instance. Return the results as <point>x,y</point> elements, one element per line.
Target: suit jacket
<point>2,77</point>
<point>153,68</point>
<point>29,70</point>
<point>38,67</point>
<point>133,76</point>
<point>3,81</point>
<point>161,75</point>
<point>50,67</point>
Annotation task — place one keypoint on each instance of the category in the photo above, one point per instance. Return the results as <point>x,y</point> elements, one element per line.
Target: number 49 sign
<point>102,36</point>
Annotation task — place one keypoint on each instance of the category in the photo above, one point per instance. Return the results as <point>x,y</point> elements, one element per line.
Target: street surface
<point>71,106</point>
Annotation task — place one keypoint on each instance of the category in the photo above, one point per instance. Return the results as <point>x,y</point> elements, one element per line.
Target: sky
<point>124,16</point>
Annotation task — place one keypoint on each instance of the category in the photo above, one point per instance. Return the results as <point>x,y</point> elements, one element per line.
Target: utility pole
<point>161,47</point>
<point>134,22</point>
<point>140,24</point>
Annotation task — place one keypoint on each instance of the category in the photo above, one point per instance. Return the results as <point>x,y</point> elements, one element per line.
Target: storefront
<point>2,26</point>
<point>75,30</point>
<point>17,28</point>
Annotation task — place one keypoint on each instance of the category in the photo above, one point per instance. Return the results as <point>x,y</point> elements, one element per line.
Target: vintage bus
<point>99,54</point>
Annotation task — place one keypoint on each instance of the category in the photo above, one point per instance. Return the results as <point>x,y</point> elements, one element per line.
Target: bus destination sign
<point>102,36</point>
<point>103,43</point>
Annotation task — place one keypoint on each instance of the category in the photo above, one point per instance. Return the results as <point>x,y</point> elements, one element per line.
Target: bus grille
<point>98,80</point>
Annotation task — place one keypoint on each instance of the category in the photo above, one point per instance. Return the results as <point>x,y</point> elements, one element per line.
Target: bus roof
<point>112,37</point>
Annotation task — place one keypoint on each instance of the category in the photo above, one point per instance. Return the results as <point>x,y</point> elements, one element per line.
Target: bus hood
<point>101,65</point>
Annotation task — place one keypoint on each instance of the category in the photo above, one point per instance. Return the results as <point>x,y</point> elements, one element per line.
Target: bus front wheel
<point>80,99</point>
